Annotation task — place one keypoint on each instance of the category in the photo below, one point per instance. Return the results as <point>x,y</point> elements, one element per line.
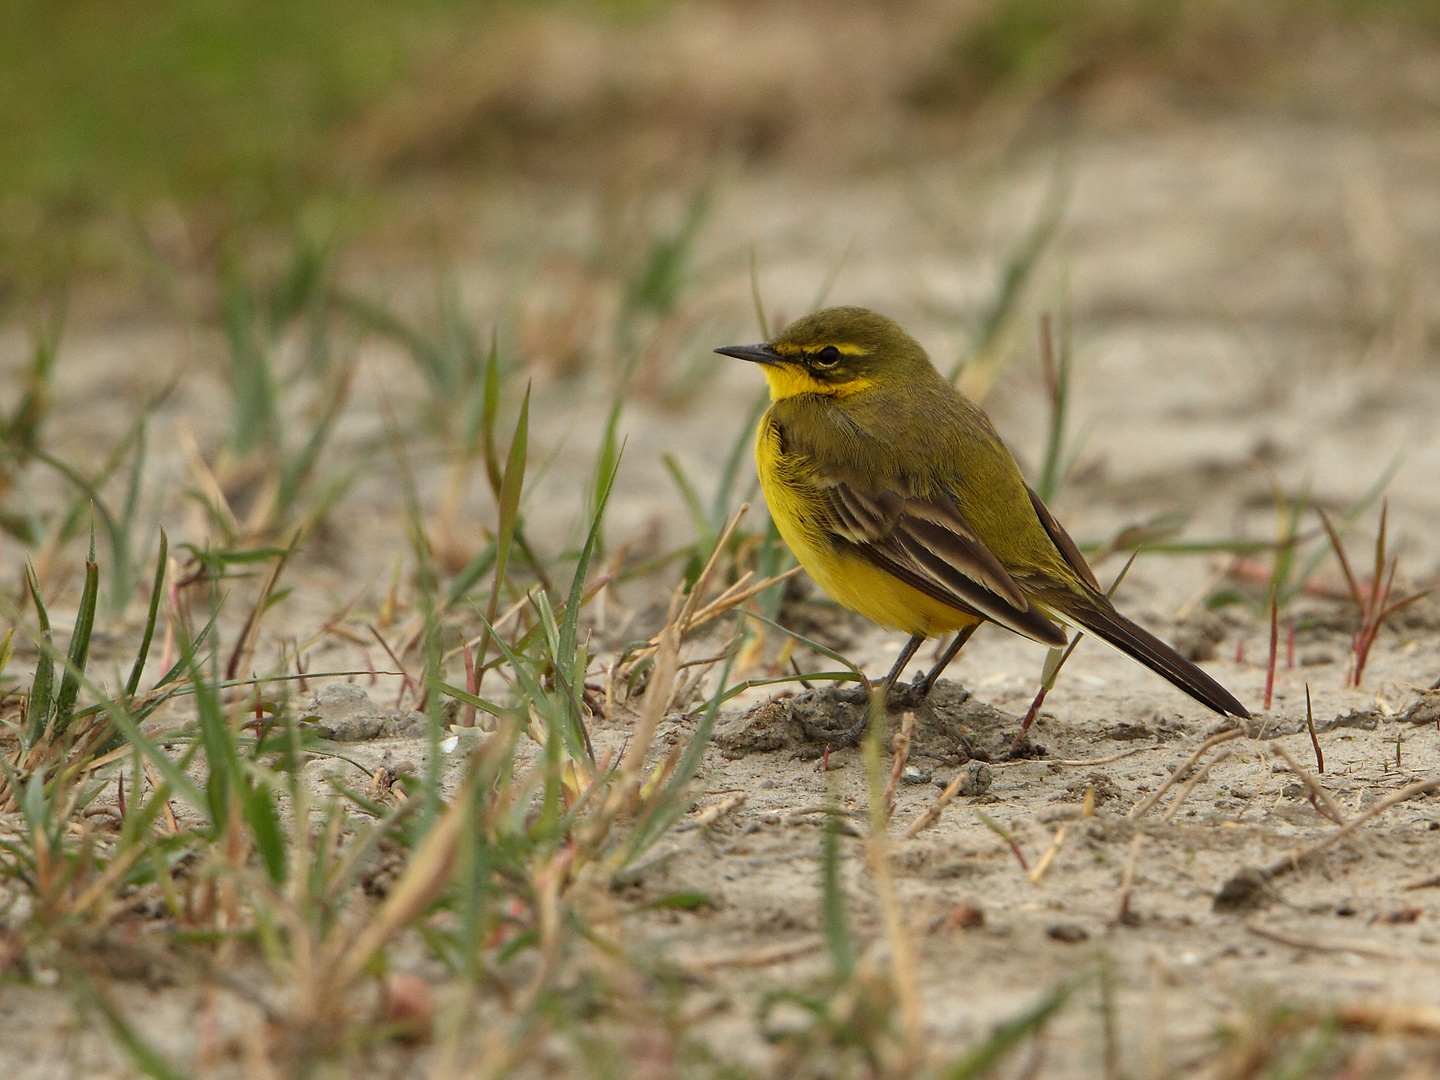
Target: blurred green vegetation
<point>235,99</point>
<point>237,112</point>
<point>1215,41</point>
<point>241,109</point>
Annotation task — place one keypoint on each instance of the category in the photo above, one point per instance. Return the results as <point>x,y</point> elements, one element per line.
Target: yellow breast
<point>796,504</point>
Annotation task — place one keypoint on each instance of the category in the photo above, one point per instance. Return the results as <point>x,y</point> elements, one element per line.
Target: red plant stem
<point>1240,651</point>
<point>1314,740</point>
<point>467,714</point>
<point>1019,855</point>
<point>1290,647</point>
<point>1029,717</point>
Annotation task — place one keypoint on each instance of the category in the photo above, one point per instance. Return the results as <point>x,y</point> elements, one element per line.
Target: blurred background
<point>194,125</point>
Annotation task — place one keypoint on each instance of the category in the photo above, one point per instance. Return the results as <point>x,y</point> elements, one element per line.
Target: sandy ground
<point>1250,300</point>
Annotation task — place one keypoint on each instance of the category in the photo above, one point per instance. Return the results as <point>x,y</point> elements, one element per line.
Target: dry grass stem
<point>1140,809</point>
<point>657,696</point>
<point>702,583</point>
<point>897,932</point>
<point>1127,878</point>
<point>1312,944</point>
<point>712,814</point>
<point>1312,784</point>
<point>1191,784</point>
<point>1296,860</point>
<point>1081,762</point>
<point>901,747</point>
<point>932,814</point>
<point>425,875</point>
<point>244,651</point>
<point>734,597</point>
<point>1050,852</point>
<point>758,958</point>
<point>1391,1019</point>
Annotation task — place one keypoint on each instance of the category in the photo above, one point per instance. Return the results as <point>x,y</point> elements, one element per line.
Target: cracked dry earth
<point>1234,328</point>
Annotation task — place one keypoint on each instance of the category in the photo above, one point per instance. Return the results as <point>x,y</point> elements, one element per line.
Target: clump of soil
<point>951,725</point>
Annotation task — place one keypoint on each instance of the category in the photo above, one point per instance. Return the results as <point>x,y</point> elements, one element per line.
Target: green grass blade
<point>217,741</point>
<point>21,430</point>
<point>832,275</point>
<point>1008,1035</point>
<point>688,494</point>
<point>38,708</point>
<point>165,765</point>
<point>818,676</point>
<point>571,619</point>
<point>1375,491</point>
<point>299,467</point>
<point>1058,376</point>
<point>157,589</point>
<point>610,444</point>
<point>386,323</point>
<point>725,489</point>
<point>675,799</point>
<point>88,497</point>
<point>257,804</point>
<point>470,574</point>
<point>187,651</point>
<point>467,698</point>
<point>657,287</point>
<point>511,485</point>
<point>489,410</point>
<point>145,1057</point>
<point>251,381</point>
<point>1019,272</point>
<point>79,643</point>
<point>809,644</point>
<point>121,570</point>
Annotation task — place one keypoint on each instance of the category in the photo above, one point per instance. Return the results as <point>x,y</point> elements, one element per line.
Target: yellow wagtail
<point>898,497</point>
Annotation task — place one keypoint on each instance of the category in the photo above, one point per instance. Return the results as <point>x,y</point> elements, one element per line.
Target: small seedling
<point>1373,603</point>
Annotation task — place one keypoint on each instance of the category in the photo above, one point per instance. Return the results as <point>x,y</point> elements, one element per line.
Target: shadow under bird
<point>899,498</point>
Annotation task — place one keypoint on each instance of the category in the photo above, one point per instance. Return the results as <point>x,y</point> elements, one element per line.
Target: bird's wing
<point>928,544</point>
<point>1067,547</point>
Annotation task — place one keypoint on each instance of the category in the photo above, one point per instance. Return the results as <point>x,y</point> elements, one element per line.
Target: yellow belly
<point>849,580</point>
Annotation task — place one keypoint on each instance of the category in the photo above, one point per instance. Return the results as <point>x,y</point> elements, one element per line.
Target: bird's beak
<point>756,354</point>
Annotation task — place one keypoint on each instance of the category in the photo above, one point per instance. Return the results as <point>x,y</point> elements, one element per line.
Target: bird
<point>899,498</point>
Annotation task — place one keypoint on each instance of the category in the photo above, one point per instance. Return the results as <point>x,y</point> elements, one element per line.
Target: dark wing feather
<point>1068,548</point>
<point>1099,616</point>
<point>928,544</point>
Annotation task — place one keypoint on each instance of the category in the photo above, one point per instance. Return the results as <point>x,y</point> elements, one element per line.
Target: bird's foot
<point>899,695</point>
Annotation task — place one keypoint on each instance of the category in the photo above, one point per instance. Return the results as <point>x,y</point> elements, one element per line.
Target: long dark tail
<point>1102,620</point>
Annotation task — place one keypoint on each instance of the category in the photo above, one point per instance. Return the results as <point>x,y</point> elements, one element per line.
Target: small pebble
<point>914,775</point>
<point>978,778</point>
<point>960,917</point>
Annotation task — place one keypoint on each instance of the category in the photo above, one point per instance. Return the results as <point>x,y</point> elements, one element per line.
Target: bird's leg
<point>928,683</point>
<point>852,736</point>
<point>891,680</point>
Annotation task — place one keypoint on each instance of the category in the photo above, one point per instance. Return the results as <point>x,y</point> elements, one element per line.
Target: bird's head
<point>836,353</point>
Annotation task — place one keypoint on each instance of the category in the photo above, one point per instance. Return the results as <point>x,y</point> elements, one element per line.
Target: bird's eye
<point>827,356</point>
